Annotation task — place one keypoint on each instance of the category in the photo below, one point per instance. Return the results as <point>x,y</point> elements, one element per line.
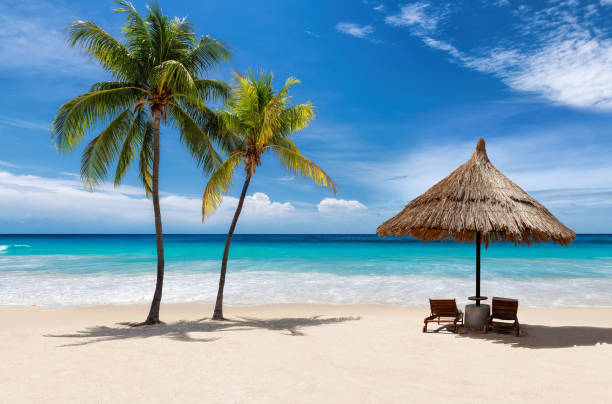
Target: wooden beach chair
<point>503,309</point>
<point>444,311</point>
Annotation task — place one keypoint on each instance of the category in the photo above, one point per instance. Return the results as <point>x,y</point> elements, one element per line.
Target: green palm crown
<point>256,120</point>
<point>156,77</point>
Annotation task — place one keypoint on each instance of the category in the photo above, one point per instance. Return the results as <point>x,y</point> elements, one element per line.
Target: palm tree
<point>258,120</point>
<point>156,77</point>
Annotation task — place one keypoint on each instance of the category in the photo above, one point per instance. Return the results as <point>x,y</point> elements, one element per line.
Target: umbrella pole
<point>477,268</point>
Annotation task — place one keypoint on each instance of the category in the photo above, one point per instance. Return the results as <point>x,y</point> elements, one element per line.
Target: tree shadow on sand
<point>183,330</point>
<point>541,336</point>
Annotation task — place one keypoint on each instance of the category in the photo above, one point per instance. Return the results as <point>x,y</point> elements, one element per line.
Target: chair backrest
<point>443,307</point>
<point>504,309</point>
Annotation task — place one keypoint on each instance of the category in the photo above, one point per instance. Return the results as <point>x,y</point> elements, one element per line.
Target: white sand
<point>298,353</point>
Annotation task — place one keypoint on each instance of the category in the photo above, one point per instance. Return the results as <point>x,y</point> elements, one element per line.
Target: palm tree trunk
<point>218,313</point>
<point>153,317</point>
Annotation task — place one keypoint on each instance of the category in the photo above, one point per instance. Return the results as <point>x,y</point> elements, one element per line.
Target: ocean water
<point>78,270</point>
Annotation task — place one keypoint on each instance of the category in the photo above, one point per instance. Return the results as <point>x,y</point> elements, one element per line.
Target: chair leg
<point>458,319</point>
<point>518,329</point>
<point>425,327</point>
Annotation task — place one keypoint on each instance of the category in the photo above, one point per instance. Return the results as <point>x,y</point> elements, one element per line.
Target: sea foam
<point>247,288</point>
<point>75,270</point>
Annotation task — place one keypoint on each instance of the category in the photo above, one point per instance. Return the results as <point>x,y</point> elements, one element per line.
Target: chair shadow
<point>542,336</point>
<point>182,330</point>
<point>446,328</point>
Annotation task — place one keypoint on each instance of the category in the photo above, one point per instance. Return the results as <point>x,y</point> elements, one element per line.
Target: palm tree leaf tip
<point>219,183</point>
<point>299,165</point>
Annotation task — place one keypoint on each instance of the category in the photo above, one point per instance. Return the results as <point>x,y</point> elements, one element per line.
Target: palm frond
<point>145,159</point>
<point>103,149</point>
<point>284,142</point>
<point>283,93</point>
<point>262,82</point>
<point>158,32</point>
<point>79,115</point>
<point>232,123</point>
<point>205,55</point>
<point>195,138</point>
<point>181,39</point>
<point>219,183</point>
<point>213,90</point>
<point>245,101</point>
<point>114,57</point>
<point>173,76</point>
<point>299,165</point>
<point>112,85</point>
<point>296,118</point>
<point>211,124</point>
<point>271,121</point>
<point>131,145</point>
<point>136,31</point>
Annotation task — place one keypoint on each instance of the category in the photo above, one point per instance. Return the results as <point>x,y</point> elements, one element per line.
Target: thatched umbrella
<point>477,203</point>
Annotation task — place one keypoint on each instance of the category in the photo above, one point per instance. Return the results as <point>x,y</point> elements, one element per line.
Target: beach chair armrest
<point>430,318</point>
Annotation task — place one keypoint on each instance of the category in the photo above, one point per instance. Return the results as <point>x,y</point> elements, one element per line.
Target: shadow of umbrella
<point>542,336</point>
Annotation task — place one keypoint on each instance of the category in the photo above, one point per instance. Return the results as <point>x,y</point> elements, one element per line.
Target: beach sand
<point>298,353</point>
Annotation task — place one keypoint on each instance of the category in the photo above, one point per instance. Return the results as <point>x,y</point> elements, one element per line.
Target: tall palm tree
<point>258,120</point>
<point>156,73</point>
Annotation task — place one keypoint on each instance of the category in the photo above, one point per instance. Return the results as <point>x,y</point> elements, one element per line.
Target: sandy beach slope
<point>298,353</point>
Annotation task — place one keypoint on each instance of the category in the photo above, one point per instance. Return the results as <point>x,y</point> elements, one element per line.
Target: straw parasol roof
<point>477,197</point>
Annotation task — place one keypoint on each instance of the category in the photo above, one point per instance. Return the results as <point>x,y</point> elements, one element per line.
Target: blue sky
<point>403,90</point>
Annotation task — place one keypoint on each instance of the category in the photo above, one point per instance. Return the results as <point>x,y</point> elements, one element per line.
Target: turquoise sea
<point>75,270</point>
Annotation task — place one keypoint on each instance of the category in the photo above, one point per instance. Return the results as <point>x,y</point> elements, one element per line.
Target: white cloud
<point>39,204</point>
<point>20,123</point>
<point>590,10</point>
<point>572,70</point>
<point>312,34</point>
<point>355,30</point>
<point>26,197</point>
<point>434,43</point>
<point>606,2</point>
<point>259,204</point>
<point>379,7</point>
<point>340,206</point>
<point>559,52</point>
<point>579,197</point>
<point>530,160</point>
<point>414,15</point>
